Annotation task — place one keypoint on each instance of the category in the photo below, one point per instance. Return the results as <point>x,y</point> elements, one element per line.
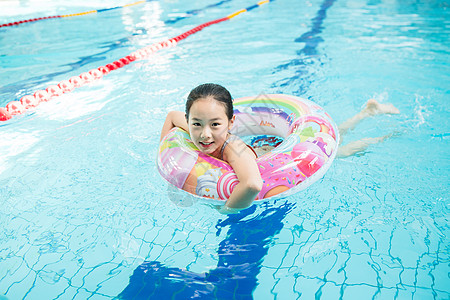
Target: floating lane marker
<point>65,86</point>
<point>71,15</point>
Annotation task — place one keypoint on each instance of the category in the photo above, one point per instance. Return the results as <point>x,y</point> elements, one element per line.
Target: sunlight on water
<point>86,214</point>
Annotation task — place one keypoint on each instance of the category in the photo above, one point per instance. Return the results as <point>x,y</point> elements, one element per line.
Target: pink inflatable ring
<point>303,138</point>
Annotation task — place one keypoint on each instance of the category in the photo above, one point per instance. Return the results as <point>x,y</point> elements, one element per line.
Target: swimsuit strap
<point>230,138</point>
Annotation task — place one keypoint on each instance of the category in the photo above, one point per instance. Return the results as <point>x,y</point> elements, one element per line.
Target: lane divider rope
<point>65,86</point>
<point>71,15</point>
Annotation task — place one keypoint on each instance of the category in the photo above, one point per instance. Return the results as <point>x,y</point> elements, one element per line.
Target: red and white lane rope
<point>65,86</point>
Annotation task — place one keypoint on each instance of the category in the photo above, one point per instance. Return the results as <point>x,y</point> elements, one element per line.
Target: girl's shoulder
<point>235,148</point>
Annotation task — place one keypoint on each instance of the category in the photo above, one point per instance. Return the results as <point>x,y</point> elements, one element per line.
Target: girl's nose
<point>206,133</point>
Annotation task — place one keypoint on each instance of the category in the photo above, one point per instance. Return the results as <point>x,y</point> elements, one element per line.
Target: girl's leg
<point>372,108</point>
<point>359,146</point>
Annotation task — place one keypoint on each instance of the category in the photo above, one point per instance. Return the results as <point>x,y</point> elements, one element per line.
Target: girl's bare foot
<point>373,107</point>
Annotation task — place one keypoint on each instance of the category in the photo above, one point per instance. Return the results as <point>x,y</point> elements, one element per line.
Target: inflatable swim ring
<point>303,136</point>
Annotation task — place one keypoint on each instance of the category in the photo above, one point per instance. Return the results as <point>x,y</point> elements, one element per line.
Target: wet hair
<point>218,92</point>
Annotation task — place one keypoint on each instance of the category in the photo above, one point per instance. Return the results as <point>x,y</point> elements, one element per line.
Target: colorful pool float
<point>303,136</point>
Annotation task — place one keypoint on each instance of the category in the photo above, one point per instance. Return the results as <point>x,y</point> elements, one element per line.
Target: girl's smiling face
<point>209,125</point>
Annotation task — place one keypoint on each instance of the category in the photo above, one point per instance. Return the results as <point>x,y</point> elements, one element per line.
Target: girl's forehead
<point>208,107</point>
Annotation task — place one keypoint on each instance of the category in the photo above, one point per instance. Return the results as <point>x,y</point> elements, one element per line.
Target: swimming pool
<point>84,213</point>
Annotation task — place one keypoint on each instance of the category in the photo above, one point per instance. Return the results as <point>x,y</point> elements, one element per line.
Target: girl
<point>208,120</point>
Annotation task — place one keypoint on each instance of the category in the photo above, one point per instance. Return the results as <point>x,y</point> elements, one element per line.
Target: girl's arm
<point>174,119</point>
<point>242,160</point>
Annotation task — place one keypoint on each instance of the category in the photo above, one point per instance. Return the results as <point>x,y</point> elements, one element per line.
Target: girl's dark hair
<point>216,91</point>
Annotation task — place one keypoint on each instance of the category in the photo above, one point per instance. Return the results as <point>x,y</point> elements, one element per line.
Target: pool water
<point>85,214</point>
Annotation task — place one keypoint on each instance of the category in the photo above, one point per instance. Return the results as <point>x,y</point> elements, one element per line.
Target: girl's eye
<point>215,124</point>
<point>196,124</point>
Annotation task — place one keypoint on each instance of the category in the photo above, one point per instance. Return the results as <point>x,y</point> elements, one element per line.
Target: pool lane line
<point>311,40</point>
<point>65,86</point>
<point>73,15</point>
<point>240,260</point>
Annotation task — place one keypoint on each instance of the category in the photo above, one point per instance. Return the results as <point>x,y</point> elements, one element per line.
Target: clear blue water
<point>84,213</point>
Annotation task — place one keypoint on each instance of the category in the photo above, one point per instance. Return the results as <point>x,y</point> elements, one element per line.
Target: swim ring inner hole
<point>261,128</point>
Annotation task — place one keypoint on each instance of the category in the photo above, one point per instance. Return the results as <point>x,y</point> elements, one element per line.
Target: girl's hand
<point>174,119</point>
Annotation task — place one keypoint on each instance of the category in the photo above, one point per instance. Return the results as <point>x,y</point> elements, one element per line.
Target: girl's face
<point>209,125</point>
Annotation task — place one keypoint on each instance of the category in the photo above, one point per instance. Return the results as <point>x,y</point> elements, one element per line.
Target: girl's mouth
<point>206,145</point>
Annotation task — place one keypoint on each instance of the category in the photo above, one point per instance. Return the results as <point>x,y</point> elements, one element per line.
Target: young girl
<point>208,120</point>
